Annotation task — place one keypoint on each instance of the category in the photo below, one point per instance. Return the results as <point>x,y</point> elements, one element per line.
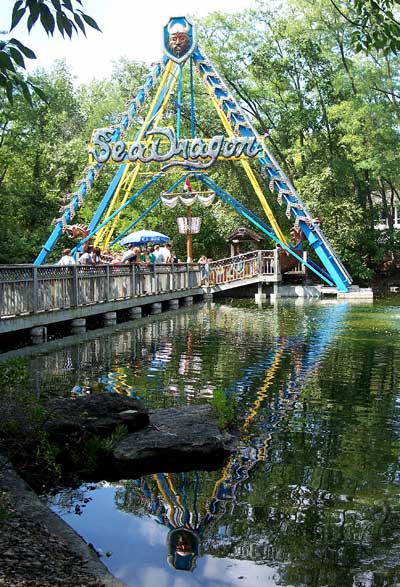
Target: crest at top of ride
<point>179,39</point>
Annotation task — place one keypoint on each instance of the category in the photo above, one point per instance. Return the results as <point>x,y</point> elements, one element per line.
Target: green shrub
<point>224,408</point>
<point>23,438</point>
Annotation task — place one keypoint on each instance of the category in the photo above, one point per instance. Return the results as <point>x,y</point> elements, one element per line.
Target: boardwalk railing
<point>242,267</point>
<point>246,266</point>
<point>27,289</point>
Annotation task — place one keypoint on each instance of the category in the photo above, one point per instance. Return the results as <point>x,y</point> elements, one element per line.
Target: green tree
<point>296,72</point>
<point>42,149</point>
<point>374,23</point>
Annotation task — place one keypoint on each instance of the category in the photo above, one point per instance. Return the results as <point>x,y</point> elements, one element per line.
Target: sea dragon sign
<point>194,153</point>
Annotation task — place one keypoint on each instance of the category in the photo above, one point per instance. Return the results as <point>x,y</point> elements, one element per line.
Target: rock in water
<point>176,439</point>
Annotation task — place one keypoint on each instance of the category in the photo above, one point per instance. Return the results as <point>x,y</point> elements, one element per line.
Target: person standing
<point>67,258</point>
<point>86,257</point>
<point>96,256</point>
<point>128,255</point>
<point>156,256</point>
<point>165,251</point>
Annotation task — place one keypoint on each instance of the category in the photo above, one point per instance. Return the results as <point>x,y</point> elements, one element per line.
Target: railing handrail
<point>30,289</point>
<point>249,254</point>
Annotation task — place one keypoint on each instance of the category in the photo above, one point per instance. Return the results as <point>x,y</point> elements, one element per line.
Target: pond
<point>312,495</point>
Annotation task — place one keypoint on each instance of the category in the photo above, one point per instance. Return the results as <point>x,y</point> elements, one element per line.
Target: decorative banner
<point>189,225</point>
<point>180,39</point>
<point>188,200</point>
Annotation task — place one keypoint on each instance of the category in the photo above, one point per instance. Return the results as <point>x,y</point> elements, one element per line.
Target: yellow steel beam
<point>253,180</point>
<point>129,175</point>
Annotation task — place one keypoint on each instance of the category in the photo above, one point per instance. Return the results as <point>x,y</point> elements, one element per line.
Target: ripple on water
<point>313,490</point>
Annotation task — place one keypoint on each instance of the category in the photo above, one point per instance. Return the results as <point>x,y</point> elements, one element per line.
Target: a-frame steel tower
<point>168,155</point>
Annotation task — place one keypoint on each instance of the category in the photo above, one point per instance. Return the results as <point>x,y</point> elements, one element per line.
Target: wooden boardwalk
<point>38,296</point>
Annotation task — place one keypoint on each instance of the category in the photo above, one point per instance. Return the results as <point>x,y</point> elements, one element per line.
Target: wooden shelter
<point>243,235</point>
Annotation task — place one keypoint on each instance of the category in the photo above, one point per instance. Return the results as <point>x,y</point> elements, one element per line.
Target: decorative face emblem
<point>179,43</point>
<point>179,39</point>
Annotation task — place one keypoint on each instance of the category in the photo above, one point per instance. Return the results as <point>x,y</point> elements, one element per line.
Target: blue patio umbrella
<point>143,237</point>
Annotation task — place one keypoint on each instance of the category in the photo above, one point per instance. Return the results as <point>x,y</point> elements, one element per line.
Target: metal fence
<point>242,267</point>
<point>27,289</point>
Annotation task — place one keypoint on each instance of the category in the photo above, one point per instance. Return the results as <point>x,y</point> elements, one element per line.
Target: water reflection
<point>310,498</point>
<point>175,500</point>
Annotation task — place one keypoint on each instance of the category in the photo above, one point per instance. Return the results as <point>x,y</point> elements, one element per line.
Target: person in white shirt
<point>156,256</point>
<point>131,255</point>
<point>67,258</point>
<point>86,257</point>
<point>165,251</point>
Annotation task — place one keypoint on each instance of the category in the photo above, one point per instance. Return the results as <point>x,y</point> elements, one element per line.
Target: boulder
<point>176,439</point>
<point>95,414</point>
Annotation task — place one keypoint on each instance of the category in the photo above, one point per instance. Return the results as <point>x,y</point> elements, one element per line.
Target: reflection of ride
<point>167,495</point>
<point>116,382</point>
<point>183,549</point>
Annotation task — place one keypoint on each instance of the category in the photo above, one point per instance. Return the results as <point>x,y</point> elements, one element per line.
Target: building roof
<point>244,234</point>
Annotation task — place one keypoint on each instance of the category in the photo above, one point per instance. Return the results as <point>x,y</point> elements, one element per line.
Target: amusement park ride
<point>158,153</point>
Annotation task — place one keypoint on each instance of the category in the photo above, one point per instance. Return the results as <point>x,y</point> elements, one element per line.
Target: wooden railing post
<point>75,286</point>
<point>277,269</point>
<point>35,289</point>
<point>259,255</point>
<point>108,284</point>
<point>156,279</point>
<point>133,279</point>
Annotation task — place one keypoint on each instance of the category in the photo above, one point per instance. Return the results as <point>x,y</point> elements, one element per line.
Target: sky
<point>130,28</point>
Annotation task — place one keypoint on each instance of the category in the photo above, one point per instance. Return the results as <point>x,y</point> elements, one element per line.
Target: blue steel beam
<point>149,209</point>
<point>117,177</point>
<point>135,196</point>
<point>241,209</point>
<point>87,182</point>
<point>136,221</point>
<point>271,169</point>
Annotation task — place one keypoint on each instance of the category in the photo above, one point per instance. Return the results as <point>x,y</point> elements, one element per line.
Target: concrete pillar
<point>173,304</point>
<point>156,308</point>
<point>109,318</point>
<point>260,297</point>
<point>78,326</point>
<point>208,297</point>
<point>188,301</point>
<point>135,313</point>
<point>276,295</point>
<point>38,334</point>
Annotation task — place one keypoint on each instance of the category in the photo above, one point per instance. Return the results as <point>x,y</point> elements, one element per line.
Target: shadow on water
<point>310,497</point>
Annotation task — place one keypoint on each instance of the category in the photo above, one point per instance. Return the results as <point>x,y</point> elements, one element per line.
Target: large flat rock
<point>97,414</point>
<point>176,439</point>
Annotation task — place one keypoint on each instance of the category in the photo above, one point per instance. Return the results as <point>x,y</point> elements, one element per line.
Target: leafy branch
<point>52,15</point>
<point>374,24</point>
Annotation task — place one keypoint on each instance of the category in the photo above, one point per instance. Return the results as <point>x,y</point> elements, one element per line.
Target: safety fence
<point>30,289</point>
<point>27,289</point>
<point>242,267</point>
<point>249,265</point>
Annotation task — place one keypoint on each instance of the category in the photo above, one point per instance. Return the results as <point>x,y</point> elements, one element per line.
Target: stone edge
<point>31,507</point>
